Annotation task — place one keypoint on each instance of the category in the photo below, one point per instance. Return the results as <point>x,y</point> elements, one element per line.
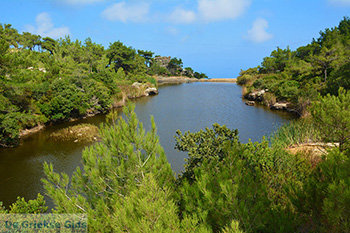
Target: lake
<point>186,107</point>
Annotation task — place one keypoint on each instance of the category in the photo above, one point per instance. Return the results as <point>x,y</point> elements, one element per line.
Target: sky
<point>216,37</point>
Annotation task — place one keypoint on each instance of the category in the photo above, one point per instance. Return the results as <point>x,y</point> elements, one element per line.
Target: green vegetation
<point>43,80</point>
<point>126,183</point>
<point>296,132</point>
<point>332,117</point>
<point>81,132</point>
<point>35,206</point>
<point>298,76</point>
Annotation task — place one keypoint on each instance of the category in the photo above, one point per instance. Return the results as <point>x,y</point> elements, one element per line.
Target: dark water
<point>185,107</point>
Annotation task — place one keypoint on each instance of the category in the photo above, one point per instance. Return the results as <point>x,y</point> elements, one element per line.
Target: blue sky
<point>217,37</point>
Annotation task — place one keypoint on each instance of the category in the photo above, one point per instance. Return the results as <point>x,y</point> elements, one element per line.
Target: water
<point>186,107</point>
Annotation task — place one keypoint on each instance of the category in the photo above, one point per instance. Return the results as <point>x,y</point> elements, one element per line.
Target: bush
<point>259,84</point>
<point>246,79</point>
<point>323,199</point>
<point>287,90</point>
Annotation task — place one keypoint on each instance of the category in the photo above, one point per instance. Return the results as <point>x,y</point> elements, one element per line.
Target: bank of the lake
<point>190,106</point>
<point>183,79</point>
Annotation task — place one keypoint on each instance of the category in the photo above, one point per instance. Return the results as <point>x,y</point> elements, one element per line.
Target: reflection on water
<point>186,107</point>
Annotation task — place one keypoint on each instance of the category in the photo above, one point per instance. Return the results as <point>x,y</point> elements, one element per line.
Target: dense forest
<point>126,183</point>
<point>297,77</point>
<point>43,80</point>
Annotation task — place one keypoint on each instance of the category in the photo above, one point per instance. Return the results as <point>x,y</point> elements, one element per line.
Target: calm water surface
<point>186,107</point>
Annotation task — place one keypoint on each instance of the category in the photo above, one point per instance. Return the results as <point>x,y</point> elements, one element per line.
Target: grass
<point>296,132</point>
<point>77,133</point>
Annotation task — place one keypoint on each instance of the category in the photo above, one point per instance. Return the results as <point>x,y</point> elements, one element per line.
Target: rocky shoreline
<point>258,97</point>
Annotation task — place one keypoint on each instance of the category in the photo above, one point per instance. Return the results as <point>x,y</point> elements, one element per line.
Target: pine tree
<point>120,174</point>
<point>332,116</point>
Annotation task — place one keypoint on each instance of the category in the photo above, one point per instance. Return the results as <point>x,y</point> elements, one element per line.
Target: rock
<point>250,103</point>
<point>42,70</point>
<point>162,61</point>
<point>256,95</point>
<point>137,85</point>
<point>279,106</point>
<point>151,91</point>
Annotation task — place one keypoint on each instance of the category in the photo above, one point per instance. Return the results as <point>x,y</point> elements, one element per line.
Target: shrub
<point>259,84</point>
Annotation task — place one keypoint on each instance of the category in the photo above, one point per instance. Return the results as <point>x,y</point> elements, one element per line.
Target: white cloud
<point>258,32</point>
<point>180,15</point>
<point>340,2</point>
<point>172,31</point>
<point>45,27</point>
<point>124,12</point>
<point>214,10</point>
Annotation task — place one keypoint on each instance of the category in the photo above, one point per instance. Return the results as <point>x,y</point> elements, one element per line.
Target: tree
<point>10,34</point>
<point>93,54</point>
<point>125,170</point>
<point>332,116</point>
<point>325,60</point>
<point>175,65</point>
<point>5,59</point>
<point>339,78</point>
<point>278,60</point>
<point>29,40</point>
<point>49,44</point>
<point>198,75</point>
<point>121,56</point>
<point>225,180</point>
<point>323,199</point>
<point>147,55</point>
<point>203,144</point>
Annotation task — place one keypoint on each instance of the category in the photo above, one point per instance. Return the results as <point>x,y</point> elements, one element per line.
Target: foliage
<point>339,78</point>
<point>175,66</point>
<point>198,75</point>
<point>126,183</point>
<point>296,132</point>
<point>321,66</point>
<point>46,80</point>
<point>156,69</point>
<point>203,144</point>
<point>114,172</point>
<point>121,56</point>
<point>239,182</point>
<point>332,117</point>
<point>147,55</point>
<point>323,199</point>
<point>175,63</point>
<point>35,206</point>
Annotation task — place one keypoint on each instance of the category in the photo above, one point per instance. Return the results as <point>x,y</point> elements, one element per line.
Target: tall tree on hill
<point>9,34</point>
<point>147,55</point>
<point>121,56</point>
<point>49,44</point>
<point>93,53</point>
